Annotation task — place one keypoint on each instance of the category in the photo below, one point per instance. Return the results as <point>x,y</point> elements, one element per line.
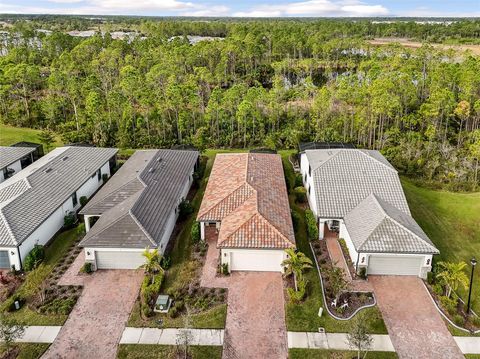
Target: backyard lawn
<point>335,354</point>
<point>10,135</point>
<point>146,351</point>
<point>304,316</point>
<point>53,253</point>
<point>452,221</point>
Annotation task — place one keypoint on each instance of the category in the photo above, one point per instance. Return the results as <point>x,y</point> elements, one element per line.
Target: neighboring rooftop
<point>136,202</point>
<point>323,145</point>
<point>345,177</point>
<point>376,226</point>
<point>248,194</point>
<point>32,195</point>
<point>9,155</point>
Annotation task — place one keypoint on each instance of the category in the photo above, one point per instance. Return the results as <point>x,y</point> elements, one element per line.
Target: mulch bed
<point>12,353</point>
<point>355,300</point>
<point>9,283</point>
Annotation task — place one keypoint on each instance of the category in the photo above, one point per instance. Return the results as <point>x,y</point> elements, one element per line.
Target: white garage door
<point>256,260</point>
<point>119,260</point>
<point>395,265</point>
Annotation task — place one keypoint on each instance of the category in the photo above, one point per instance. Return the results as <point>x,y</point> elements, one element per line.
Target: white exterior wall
<point>172,219</point>
<point>14,258</point>
<point>44,233</point>
<point>226,254</point>
<point>351,248</point>
<point>304,169</point>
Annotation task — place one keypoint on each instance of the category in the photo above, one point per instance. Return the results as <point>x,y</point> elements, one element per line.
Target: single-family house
<point>246,200</point>
<point>13,160</point>
<point>137,208</point>
<point>34,203</point>
<point>358,193</point>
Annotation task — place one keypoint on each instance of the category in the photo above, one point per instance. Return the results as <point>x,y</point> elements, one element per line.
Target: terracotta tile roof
<point>247,193</point>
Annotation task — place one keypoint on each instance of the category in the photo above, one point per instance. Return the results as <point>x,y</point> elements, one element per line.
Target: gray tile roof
<point>376,226</point>
<point>68,169</point>
<point>344,177</point>
<point>137,201</point>
<point>9,155</point>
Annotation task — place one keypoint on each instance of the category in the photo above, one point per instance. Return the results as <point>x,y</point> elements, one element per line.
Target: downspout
<point>356,264</point>
<point>19,258</point>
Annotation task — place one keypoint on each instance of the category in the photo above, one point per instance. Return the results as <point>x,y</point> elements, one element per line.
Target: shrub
<point>195,232</point>
<point>437,289</point>
<point>298,180</point>
<point>476,321</point>
<point>83,200</point>
<point>430,278</point>
<point>449,304</point>
<point>105,177</point>
<point>185,209</point>
<point>146,310</point>
<point>295,220</point>
<point>34,258</point>
<point>458,319</point>
<point>300,194</point>
<point>312,229</point>
<point>59,306</point>
<point>363,273</point>
<point>172,312</point>
<point>165,262</point>
<point>87,268</point>
<point>225,269</point>
<point>81,229</point>
<point>69,220</point>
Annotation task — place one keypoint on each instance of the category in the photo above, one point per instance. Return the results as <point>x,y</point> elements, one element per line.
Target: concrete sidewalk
<point>168,336</point>
<point>312,340</point>
<point>468,345</point>
<point>39,334</point>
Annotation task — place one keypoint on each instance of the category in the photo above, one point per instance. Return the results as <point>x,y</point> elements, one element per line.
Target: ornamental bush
<point>312,229</point>
<point>195,232</point>
<point>83,200</point>
<point>185,209</point>
<point>300,194</point>
<point>34,258</point>
<point>298,180</point>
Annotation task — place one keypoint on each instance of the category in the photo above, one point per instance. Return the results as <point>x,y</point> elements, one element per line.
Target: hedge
<point>312,228</point>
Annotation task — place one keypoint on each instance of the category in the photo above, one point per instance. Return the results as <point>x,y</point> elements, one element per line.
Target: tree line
<point>266,83</point>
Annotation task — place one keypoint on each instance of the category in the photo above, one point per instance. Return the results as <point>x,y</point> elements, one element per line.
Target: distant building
<point>13,160</point>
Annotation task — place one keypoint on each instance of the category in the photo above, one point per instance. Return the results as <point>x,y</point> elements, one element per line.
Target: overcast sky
<point>253,8</point>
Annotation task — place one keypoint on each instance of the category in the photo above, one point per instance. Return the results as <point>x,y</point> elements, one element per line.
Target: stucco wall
<point>16,166</point>
<point>351,248</point>
<point>304,169</point>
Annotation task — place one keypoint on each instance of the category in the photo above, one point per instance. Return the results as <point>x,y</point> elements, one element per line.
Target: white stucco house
<point>34,202</point>
<point>246,203</point>
<point>14,159</point>
<point>359,192</point>
<point>137,208</point>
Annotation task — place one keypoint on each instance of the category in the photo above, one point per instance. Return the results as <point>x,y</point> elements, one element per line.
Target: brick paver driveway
<point>415,327</point>
<point>96,323</point>
<point>255,325</point>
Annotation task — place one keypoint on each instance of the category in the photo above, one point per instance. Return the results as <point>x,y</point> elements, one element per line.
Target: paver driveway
<point>415,327</point>
<point>255,326</point>
<point>96,323</point>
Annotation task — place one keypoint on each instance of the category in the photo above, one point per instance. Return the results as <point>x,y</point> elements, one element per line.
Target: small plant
<point>312,228</point>
<point>225,269</point>
<point>87,268</point>
<point>296,296</point>
<point>83,200</point>
<point>458,319</point>
<point>185,209</point>
<point>300,194</point>
<point>34,258</point>
<point>298,181</point>
<point>476,321</point>
<point>358,337</point>
<point>437,289</point>
<point>172,313</point>
<point>166,262</point>
<point>295,220</point>
<point>195,232</point>
<point>430,278</point>
<point>105,177</point>
<point>362,273</point>
<point>449,304</point>
<point>9,331</point>
<point>69,220</point>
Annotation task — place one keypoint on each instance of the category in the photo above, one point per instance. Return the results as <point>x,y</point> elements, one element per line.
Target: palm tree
<point>452,275</point>
<point>152,262</point>
<point>295,264</point>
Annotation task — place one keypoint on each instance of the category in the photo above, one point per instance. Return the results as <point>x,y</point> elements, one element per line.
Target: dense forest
<point>269,83</point>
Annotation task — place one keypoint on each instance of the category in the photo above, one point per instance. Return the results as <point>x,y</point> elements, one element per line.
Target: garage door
<point>261,261</point>
<point>119,260</point>
<point>395,265</point>
<point>4,261</point>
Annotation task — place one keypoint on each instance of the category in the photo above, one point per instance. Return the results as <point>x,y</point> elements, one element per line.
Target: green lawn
<point>335,354</point>
<point>10,135</point>
<point>304,316</point>
<point>146,351</point>
<point>53,253</point>
<point>452,221</point>
<point>30,350</point>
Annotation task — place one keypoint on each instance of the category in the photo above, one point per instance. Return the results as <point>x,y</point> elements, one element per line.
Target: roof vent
<point>151,170</point>
<point>159,159</point>
<point>48,170</point>
<point>65,158</point>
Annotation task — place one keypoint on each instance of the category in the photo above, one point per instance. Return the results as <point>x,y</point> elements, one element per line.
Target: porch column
<point>87,223</point>
<point>202,230</point>
<point>321,229</point>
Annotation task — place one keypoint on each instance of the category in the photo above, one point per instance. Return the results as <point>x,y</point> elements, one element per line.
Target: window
<point>74,199</point>
<point>309,170</point>
<point>99,174</point>
<point>309,188</point>
<point>305,179</point>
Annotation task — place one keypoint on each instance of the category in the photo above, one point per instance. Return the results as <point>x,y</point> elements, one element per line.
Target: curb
<point>325,300</point>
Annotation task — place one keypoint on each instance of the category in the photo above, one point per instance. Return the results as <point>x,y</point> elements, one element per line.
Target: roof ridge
<point>365,153</point>
<point>328,160</point>
<point>91,203</point>
<point>7,226</point>
<point>135,219</point>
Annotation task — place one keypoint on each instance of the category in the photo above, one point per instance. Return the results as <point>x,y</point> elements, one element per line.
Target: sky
<point>248,8</point>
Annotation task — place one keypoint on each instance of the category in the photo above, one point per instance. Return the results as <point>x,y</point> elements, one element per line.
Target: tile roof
<point>135,204</point>
<point>9,155</point>
<point>47,184</point>
<point>344,177</point>
<point>247,193</point>
<point>376,226</point>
